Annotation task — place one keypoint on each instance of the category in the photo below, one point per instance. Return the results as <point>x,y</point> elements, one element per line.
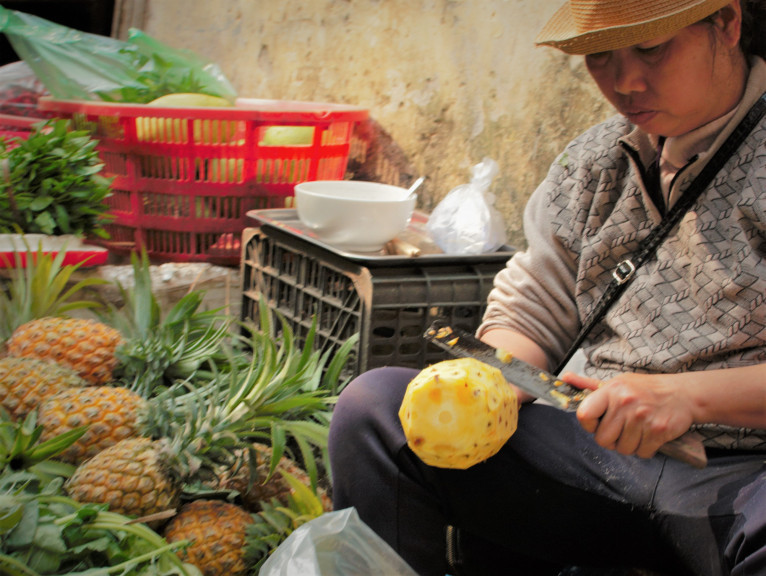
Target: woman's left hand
<point>633,413</point>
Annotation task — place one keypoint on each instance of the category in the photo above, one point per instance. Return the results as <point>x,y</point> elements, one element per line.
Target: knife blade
<point>687,448</point>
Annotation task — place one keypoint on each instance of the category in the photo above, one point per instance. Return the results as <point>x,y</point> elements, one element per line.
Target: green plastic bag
<point>76,65</point>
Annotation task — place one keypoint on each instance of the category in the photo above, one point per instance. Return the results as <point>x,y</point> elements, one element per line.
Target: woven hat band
<point>589,26</point>
<point>590,16</point>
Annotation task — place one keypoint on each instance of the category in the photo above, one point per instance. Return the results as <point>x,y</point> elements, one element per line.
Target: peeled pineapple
<point>457,413</point>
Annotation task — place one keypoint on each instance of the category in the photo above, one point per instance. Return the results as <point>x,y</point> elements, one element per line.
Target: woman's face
<point>676,83</point>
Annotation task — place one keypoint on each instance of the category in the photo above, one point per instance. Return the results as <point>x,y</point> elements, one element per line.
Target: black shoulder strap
<point>626,269</point>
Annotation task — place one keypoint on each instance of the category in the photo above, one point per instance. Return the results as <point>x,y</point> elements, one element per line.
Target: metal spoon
<point>415,185</point>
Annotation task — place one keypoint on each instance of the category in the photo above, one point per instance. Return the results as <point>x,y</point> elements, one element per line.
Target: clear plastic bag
<point>335,544</point>
<point>466,221</point>
<point>20,90</point>
<point>76,65</point>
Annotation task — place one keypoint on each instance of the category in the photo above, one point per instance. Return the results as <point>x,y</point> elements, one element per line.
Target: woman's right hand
<point>633,413</point>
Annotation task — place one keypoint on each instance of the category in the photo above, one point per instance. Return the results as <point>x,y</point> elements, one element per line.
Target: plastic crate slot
<point>111,127</point>
<point>299,136</point>
<point>336,133</point>
<point>151,129</point>
<point>167,205</point>
<point>220,170</point>
<point>328,168</point>
<point>284,295</point>
<point>211,242</point>
<point>163,241</point>
<point>216,207</point>
<point>463,314</point>
<point>225,244</point>
<point>218,132</point>
<point>119,234</point>
<point>163,168</point>
<point>114,164</point>
<point>81,122</point>
<point>120,201</point>
<point>282,171</point>
<point>338,318</point>
<point>285,264</point>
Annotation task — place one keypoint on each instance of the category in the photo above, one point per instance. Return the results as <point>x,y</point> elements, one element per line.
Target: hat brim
<point>561,31</point>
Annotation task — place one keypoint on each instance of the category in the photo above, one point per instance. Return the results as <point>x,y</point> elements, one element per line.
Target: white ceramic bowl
<point>354,215</point>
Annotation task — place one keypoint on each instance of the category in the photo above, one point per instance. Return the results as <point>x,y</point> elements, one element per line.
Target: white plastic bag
<point>466,221</point>
<point>335,544</point>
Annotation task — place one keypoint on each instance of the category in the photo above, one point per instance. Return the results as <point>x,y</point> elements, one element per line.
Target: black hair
<point>753,36</point>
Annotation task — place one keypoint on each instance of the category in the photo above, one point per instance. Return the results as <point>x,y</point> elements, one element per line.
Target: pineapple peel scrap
<point>457,413</point>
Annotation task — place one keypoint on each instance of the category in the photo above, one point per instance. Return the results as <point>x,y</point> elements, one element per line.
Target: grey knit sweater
<point>700,304</point>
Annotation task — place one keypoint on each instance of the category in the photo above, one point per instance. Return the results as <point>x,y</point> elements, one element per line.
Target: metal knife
<point>541,384</point>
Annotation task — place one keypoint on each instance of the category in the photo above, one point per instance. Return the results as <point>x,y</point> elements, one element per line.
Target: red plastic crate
<point>185,178</point>
<point>17,126</point>
<point>14,249</point>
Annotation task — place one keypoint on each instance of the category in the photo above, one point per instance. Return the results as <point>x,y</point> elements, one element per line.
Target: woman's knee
<point>377,390</point>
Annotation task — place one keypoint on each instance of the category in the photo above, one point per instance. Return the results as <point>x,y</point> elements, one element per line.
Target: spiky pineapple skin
<point>253,491</point>
<point>216,531</point>
<point>112,414</point>
<point>26,382</point>
<point>457,413</point>
<point>133,477</point>
<point>87,346</point>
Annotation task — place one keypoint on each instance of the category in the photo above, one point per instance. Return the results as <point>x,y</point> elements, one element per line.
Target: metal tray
<point>413,245</point>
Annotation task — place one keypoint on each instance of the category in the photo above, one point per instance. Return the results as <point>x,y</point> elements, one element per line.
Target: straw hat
<point>590,26</point>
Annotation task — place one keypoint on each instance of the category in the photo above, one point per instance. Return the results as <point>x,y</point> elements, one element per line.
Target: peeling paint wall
<point>450,81</point>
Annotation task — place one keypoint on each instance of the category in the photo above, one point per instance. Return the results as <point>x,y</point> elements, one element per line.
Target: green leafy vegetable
<point>50,183</point>
<point>156,77</point>
<point>44,532</point>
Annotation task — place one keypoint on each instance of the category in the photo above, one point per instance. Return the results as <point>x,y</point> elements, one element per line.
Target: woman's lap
<point>550,493</point>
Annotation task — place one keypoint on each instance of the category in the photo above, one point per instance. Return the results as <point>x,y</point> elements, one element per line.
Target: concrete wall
<point>449,81</point>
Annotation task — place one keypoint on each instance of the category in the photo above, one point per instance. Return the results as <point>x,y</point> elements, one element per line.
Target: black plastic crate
<point>390,302</point>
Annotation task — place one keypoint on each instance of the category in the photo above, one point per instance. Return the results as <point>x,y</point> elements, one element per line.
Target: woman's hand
<point>633,413</point>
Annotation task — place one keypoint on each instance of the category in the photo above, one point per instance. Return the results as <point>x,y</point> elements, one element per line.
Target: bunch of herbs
<point>51,184</point>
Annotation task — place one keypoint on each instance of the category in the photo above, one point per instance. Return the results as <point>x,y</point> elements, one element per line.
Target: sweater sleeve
<point>534,293</point>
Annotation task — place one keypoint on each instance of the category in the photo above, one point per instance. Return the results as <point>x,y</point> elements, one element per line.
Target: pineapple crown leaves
<point>51,183</point>
<point>191,430</point>
<point>174,347</point>
<point>278,397</point>
<point>44,287</point>
<point>283,398</point>
<point>277,520</point>
<point>19,446</point>
<point>281,378</point>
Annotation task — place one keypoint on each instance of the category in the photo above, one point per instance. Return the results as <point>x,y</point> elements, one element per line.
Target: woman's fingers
<point>582,382</point>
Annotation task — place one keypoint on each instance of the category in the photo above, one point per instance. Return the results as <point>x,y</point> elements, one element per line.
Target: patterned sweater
<point>699,304</point>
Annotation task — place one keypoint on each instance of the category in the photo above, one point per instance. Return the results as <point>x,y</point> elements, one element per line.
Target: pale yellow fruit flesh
<point>184,99</point>
<point>457,413</point>
<point>175,130</point>
<point>288,136</point>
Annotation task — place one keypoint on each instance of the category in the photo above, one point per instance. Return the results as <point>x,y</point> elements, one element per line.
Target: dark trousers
<point>550,498</point>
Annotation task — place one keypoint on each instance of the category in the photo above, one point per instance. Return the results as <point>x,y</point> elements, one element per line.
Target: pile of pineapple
<point>167,438</point>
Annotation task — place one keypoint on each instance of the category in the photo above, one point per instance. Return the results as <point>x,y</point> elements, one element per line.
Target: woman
<point>684,345</point>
